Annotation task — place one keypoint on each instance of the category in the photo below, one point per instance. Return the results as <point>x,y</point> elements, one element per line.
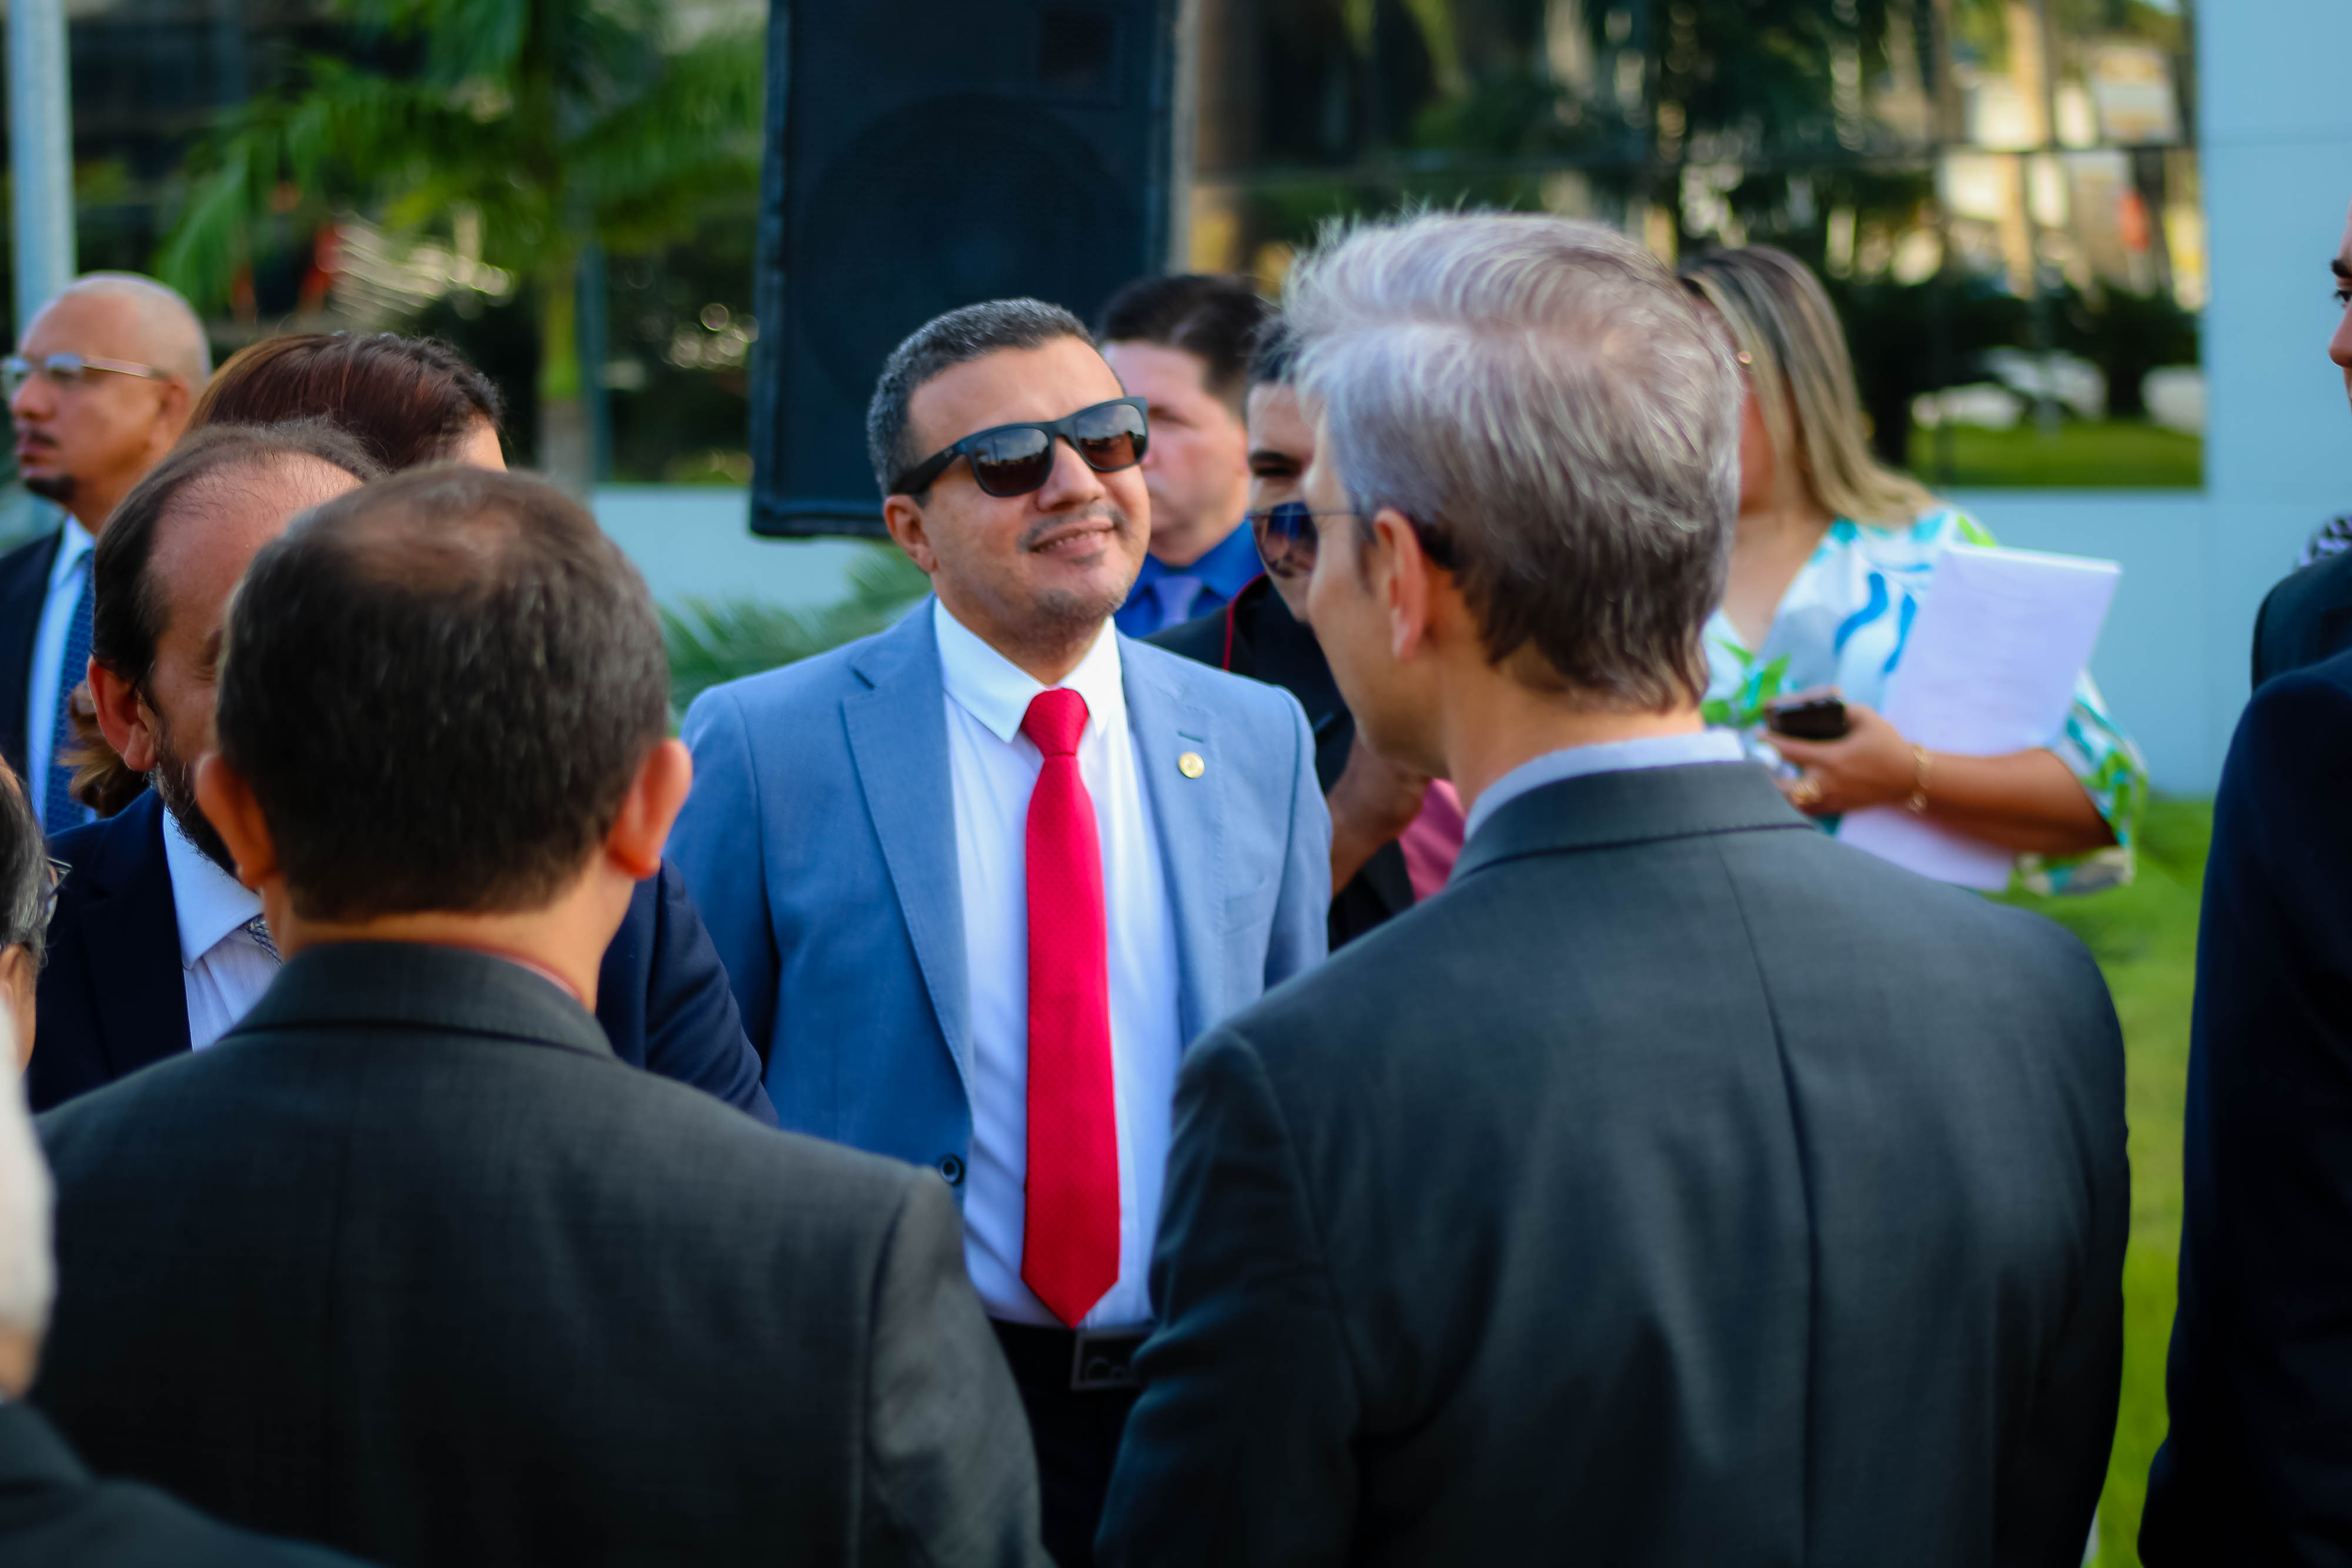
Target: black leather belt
<point>1085,1360</point>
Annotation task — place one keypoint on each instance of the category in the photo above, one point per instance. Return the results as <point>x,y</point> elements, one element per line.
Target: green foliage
<point>2145,938</point>
<point>2097,454</point>
<point>2126,335</point>
<point>556,120</point>
<point>713,642</point>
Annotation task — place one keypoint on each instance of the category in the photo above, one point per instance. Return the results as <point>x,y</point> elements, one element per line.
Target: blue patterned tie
<point>1177,590</point>
<point>59,810</point>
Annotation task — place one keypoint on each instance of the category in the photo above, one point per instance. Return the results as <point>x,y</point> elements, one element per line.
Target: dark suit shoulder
<point>122,1524</point>
<point>37,551</point>
<point>53,1512</point>
<point>1204,639</point>
<point>1827,926</point>
<point>2307,618</point>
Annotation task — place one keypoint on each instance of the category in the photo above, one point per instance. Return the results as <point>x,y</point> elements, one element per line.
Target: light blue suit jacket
<point>819,843</point>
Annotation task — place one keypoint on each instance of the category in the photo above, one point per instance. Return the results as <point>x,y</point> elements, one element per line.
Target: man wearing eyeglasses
<point>1394,831</point>
<point>99,388</point>
<point>979,879</point>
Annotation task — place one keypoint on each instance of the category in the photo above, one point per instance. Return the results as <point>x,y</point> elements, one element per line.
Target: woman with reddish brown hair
<point>410,401</point>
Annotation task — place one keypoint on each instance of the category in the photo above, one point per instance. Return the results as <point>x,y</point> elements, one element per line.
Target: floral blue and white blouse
<point>1843,622</point>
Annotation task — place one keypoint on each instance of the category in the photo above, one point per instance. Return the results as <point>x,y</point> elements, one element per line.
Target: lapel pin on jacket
<point>1191,766</point>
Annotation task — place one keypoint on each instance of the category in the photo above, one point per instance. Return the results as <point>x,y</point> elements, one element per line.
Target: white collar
<point>73,543</point>
<point>1609,756</point>
<point>208,903</point>
<point>997,692</point>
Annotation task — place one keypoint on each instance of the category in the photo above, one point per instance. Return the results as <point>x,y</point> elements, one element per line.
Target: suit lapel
<point>898,741</point>
<point>131,944</point>
<point>1188,816</point>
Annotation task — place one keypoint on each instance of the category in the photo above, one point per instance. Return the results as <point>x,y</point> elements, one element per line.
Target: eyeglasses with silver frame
<point>70,371</point>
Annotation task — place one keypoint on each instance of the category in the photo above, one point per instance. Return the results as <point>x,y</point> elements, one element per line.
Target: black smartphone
<point>1818,718</point>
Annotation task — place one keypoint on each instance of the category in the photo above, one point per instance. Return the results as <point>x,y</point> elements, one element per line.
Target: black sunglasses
<point>1286,537</point>
<point>1015,459</point>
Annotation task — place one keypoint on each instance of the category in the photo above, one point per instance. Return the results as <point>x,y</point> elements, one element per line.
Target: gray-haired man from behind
<point>52,1510</point>
<point>1679,1186</point>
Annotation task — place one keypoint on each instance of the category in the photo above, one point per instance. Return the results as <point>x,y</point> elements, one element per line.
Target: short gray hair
<point>960,337</point>
<point>28,1269</point>
<point>1545,404</point>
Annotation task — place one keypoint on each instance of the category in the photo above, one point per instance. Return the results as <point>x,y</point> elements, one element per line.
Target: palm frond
<point>697,126</point>
<point>714,642</point>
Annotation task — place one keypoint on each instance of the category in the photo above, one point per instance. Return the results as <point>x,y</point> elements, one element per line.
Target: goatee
<point>58,487</point>
<point>174,778</point>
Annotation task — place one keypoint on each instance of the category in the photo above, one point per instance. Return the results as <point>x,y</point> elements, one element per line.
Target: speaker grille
<point>924,154</point>
<point>963,199</point>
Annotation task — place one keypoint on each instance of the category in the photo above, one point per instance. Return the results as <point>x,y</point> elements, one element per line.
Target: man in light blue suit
<point>977,881</point>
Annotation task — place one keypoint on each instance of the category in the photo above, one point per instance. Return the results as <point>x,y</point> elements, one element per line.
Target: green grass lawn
<point>2103,455</point>
<point>2145,937</point>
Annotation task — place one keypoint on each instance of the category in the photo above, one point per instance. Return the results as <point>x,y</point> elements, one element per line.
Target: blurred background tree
<point>528,130</point>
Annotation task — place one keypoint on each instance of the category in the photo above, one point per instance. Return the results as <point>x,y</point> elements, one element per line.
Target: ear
<point>123,718</point>
<point>1410,584</point>
<point>651,805</point>
<point>171,413</point>
<point>903,516</point>
<point>229,805</point>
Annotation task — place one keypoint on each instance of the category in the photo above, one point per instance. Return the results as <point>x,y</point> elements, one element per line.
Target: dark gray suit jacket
<point>55,1513</point>
<point>1677,1187</point>
<point>409,1264</point>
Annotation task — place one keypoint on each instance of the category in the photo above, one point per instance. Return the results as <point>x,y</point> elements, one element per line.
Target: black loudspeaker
<point>923,155</point>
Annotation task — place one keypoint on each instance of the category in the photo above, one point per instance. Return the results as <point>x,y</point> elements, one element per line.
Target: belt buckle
<point>1104,1359</point>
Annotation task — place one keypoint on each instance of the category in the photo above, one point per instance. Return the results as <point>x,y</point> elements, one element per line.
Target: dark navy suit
<point>2257,1466</point>
<point>24,586</point>
<point>112,998</point>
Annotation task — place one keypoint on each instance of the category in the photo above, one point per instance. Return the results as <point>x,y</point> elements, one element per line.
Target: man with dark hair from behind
<point>407,1263</point>
<point>1681,1186</point>
<point>159,950</point>
<point>1394,831</point>
<point>1183,344</point>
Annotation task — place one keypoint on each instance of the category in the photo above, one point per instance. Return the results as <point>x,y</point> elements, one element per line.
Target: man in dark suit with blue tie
<point>155,949</point>
<point>1678,1186</point>
<point>101,386</point>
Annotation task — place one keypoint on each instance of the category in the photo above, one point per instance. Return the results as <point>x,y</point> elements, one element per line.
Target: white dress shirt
<point>65,573</point>
<point>1610,756</point>
<point>222,965</point>
<point>993,768</point>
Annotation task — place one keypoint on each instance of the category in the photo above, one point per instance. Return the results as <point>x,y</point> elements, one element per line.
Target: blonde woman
<point>1832,554</point>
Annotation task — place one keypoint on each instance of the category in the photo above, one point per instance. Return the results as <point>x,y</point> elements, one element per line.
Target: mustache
<point>1039,532</point>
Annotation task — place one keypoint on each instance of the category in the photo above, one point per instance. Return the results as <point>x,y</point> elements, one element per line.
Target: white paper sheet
<point>1989,669</point>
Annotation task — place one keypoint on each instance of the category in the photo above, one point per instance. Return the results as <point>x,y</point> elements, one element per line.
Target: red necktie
<point>1070,1249</point>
